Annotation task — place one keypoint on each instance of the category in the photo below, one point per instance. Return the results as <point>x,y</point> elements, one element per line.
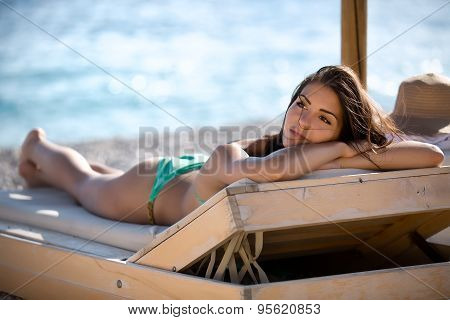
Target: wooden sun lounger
<point>336,234</point>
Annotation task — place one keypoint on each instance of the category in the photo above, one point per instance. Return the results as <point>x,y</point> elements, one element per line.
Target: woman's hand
<point>398,156</point>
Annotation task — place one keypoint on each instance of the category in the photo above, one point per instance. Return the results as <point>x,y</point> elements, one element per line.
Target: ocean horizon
<point>86,71</point>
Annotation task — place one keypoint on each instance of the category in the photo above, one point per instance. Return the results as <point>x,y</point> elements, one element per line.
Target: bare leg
<point>55,165</point>
<point>30,172</point>
<point>103,168</point>
<point>115,196</point>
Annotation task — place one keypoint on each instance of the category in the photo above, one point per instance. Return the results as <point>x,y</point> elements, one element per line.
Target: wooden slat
<point>62,240</point>
<point>442,237</point>
<point>208,231</point>
<point>411,256</point>
<point>323,204</point>
<point>418,282</point>
<point>319,239</point>
<point>396,240</point>
<point>434,226</point>
<point>441,242</point>
<point>354,36</point>
<point>81,276</point>
<point>355,178</point>
<point>397,248</point>
<point>173,229</point>
<point>403,227</point>
<point>87,277</point>
<point>312,206</point>
<point>328,230</point>
<point>308,247</point>
<point>242,186</point>
<point>55,289</point>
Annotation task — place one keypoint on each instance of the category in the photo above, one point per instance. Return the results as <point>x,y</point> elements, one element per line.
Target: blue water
<point>206,63</point>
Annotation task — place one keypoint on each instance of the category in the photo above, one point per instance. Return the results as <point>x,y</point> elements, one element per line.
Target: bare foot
<point>33,137</point>
<point>30,173</point>
<point>27,168</point>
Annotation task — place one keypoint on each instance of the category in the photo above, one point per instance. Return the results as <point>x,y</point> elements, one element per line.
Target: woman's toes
<point>34,136</point>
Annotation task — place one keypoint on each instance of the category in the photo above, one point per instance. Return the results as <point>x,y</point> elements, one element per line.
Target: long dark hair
<point>363,118</point>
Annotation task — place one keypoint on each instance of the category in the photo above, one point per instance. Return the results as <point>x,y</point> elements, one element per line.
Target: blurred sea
<point>207,63</point>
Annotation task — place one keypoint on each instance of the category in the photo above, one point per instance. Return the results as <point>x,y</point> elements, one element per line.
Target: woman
<point>331,122</point>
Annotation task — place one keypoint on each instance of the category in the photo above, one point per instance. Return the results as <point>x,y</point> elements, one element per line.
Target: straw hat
<point>423,104</point>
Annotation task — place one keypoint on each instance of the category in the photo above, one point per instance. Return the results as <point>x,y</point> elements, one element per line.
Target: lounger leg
<point>426,248</point>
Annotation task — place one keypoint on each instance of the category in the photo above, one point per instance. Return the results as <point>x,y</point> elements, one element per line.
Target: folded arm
<point>230,163</point>
<point>397,156</point>
<point>288,163</point>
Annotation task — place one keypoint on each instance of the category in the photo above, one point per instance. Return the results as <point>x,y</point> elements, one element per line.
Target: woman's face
<point>316,116</point>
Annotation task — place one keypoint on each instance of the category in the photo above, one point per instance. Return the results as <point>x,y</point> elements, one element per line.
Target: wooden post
<point>354,37</point>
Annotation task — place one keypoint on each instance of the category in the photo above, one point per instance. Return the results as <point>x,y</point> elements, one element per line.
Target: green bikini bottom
<point>169,168</point>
